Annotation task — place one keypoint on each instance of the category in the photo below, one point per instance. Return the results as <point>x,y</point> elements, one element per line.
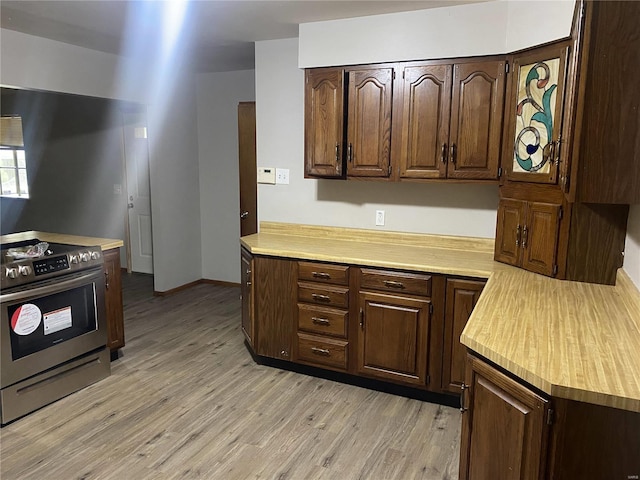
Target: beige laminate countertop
<point>572,340</point>
<point>104,243</point>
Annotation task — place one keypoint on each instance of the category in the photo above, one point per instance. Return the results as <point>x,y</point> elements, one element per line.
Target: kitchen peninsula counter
<point>571,340</point>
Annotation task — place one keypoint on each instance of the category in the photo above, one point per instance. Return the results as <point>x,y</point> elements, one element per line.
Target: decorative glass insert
<point>537,85</point>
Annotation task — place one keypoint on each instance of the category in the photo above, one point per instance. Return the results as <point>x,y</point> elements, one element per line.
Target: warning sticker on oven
<point>57,320</point>
<point>26,319</point>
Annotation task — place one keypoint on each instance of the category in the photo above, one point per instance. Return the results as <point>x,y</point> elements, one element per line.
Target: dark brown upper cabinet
<point>533,114</point>
<point>451,120</point>
<point>324,122</point>
<point>476,120</point>
<point>603,105</point>
<point>369,122</point>
<point>424,129</point>
<point>571,118</point>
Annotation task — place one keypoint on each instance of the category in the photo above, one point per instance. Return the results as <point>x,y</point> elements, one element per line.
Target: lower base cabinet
<point>113,299</point>
<point>382,324</point>
<point>504,430</point>
<point>274,303</point>
<point>461,297</point>
<point>510,431</point>
<point>393,337</point>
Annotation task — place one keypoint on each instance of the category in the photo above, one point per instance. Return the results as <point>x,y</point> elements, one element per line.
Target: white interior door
<point>138,192</point>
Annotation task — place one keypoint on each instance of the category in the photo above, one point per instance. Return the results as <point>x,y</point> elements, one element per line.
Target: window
<point>13,164</point>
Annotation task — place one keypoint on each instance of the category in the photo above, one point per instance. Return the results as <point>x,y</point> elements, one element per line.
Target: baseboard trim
<point>220,283</point>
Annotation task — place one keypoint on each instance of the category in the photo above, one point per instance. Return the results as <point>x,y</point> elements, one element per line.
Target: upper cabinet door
<point>324,122</point>
<point>533,117</point>
<point>369,122</point>
<point>476,120</point>
<point>424,132</point>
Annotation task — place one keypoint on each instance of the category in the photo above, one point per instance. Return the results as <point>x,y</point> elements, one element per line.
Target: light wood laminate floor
<point>186,400</point>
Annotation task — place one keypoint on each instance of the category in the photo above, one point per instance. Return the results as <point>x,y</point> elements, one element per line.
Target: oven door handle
<point>49,289</point>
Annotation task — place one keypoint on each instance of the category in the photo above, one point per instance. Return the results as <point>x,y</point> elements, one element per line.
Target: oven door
<point>51,322</point>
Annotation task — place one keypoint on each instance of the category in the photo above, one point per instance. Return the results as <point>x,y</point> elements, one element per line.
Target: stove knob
<point>73,258</point>
<point>95,255</point>
<point>12,272</point>
<point>24,270</point>
<point>84,256</point>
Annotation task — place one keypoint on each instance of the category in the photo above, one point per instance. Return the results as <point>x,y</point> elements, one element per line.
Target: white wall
<point>555,15</point>
<point>468,210</point>
<point>458,31</point>
<point>32,62</point>
<point>175,192</point>
<point>218,95</point>
<point>632,246</point>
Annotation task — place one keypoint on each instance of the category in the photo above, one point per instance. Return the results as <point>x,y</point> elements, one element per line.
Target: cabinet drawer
<point>323,272</point>
<point>323,294</point>
<point>322,320</point>
<point>322,351</point>
<point>401,282</point>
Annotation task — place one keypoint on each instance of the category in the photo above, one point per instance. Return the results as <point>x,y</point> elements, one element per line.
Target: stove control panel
<point>25,271</point>
<point>50,265</point>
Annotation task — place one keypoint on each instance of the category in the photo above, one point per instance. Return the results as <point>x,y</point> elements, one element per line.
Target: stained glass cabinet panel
<point>532,136</point>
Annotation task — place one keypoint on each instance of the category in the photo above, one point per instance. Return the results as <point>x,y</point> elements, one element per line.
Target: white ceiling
<point>220,33</point>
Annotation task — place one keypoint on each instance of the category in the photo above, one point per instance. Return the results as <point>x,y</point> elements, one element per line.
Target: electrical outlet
<point>282,176</point>
<point>379,217</point>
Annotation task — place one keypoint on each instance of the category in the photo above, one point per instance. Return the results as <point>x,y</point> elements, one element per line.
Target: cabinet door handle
<point>518,233</point>
<point>392,284</point>
<point>362,319</point>
<point>321,351</point>
<point>463,387</point>
<point>320,321</point>
<point>106,280</point>
<point>337,153</point>
<point>452,153</point>
<point>323,275</point>
<point>320,298</point>
<point>443,153</point>
<point>525,236</point>
<point>556,151</point>
<point>350,153</point>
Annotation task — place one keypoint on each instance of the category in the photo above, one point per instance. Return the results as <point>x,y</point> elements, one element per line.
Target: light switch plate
<point>267,175</point>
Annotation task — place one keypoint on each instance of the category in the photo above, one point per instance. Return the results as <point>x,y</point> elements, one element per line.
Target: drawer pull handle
<point>392,284</point>
<point>321,275</point>
<point>321,351</point>
<point>320,298</point>
<point>320,321</point>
